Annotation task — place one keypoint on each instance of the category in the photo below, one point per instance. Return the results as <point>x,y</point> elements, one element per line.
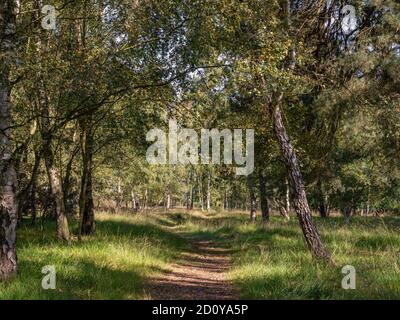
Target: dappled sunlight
<point>111,265</point>
<point>271,262</point>
<point>263,261</point>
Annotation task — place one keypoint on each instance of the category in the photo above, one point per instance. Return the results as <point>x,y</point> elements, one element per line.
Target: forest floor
<point>200,275</point>
<point>200,255</point>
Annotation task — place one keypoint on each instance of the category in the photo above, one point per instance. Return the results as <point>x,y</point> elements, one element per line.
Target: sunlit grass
<point>271,261</point>
<point>112,264</point>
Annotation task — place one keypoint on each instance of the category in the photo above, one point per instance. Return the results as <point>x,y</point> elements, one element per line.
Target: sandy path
<point>201,275</point>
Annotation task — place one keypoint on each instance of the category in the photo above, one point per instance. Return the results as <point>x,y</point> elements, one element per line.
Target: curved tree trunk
<point>281,208</point>
<point>300,201</point>
<point>8,176</point>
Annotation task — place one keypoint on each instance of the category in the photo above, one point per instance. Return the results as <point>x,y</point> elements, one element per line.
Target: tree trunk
<point>192,192</point>
<point>145,200</point>
<point>86,206</point>
<point>347,214</point>
<point>252,198</point>
<point>54,182</point>
<point>282,208</point>
<point>263,199</point>
<point>32,202</point>
<point>118,198</point>
<point>226,206</point>
<point>209,191</point>
<point>287,196</point>
<point>67,182</point>
<point>323,212</point>
<point>24,196</point>
<point>323,203</point>
<point>200,183</point>
<point>133,199</point>
<point>57,195</point>
<point>300,201</point>
<point>54,177</point>
<point>168,202</point>
<point>188,192</point>
<point>8,176</point>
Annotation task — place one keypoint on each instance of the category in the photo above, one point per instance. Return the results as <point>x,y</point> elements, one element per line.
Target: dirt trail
<point>200,276</point>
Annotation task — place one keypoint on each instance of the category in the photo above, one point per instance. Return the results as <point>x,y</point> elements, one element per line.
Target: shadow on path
<point>199,276</point>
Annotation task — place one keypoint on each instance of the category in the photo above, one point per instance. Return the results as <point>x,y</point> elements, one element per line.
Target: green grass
<point>112,264</point>
<point>269,261</point>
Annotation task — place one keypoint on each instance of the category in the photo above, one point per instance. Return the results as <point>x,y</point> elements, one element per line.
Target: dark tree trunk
<point>145,200</point>
<point>263,198</point>
<point>201,200</point>
<point>187,200</point>
<point>252,199</point>
<point>226,202</point>
<point>8,176</point>
<point>192,197</point>
<point>347,214</point>
<point>86,206</point>
<point>67,183</point>
<point>32,202</point>
<point>323,210</point>
<point>25,195</point>
<point>323,203</point>
<point>300,201</point>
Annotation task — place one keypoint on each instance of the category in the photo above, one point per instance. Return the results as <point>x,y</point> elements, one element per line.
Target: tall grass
<point>272,262</point>
<point>268,261</point>
<point>112,264</point>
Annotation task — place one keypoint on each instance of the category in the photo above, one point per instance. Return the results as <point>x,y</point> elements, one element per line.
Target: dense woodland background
<point>76,103</point>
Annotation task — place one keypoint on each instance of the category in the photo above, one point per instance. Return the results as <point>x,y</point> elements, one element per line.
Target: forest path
<point>200,275</point>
